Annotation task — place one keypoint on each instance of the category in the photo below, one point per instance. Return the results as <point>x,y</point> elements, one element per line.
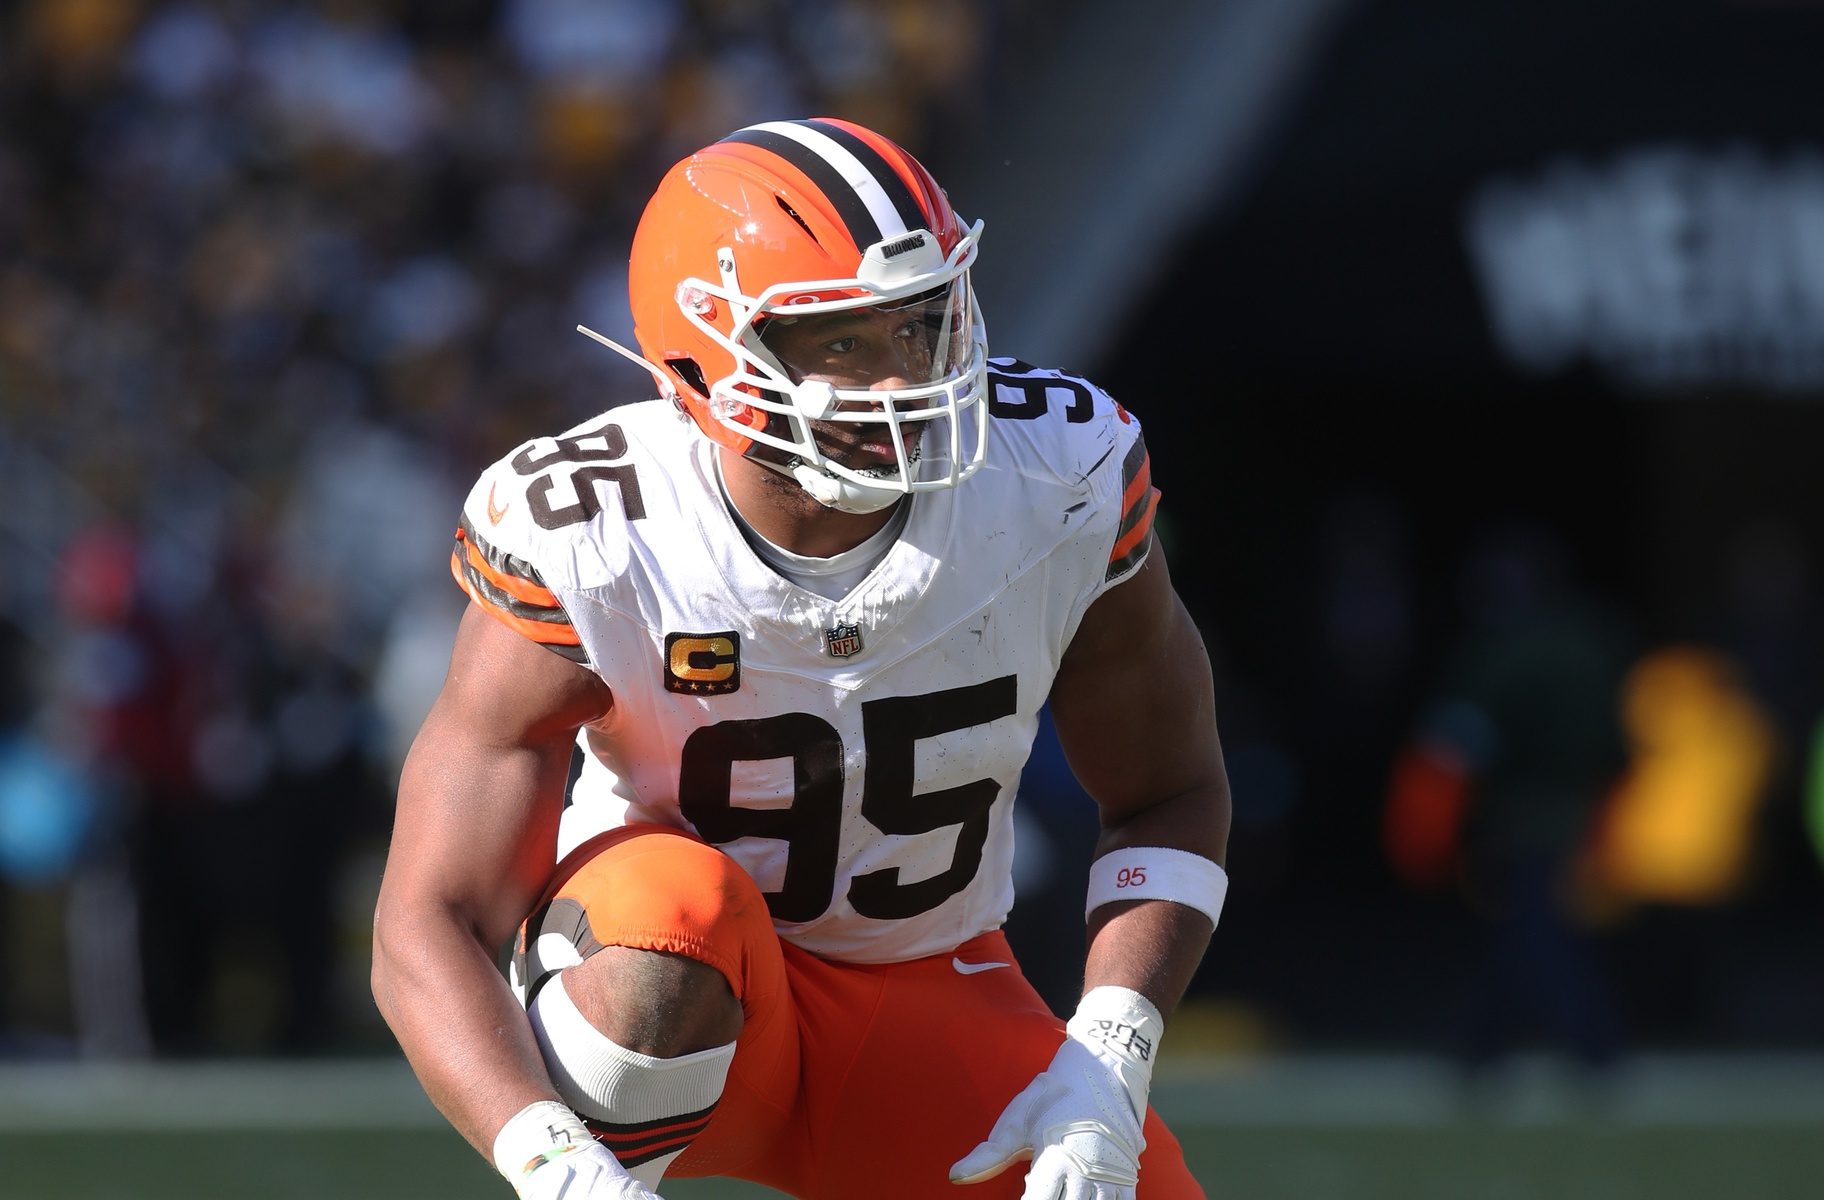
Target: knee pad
<point>646,888</point>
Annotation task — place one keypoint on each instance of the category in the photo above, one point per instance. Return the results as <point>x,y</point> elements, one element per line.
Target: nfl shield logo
<point>844,640</point>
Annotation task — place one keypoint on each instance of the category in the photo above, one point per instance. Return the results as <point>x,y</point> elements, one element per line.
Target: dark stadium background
<point>1425,306</point>
<point>1335,315</point>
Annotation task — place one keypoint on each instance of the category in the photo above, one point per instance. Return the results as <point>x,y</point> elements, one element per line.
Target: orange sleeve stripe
<point>549,633</point>
<point>513,585</point>
<point>1140,530</point>
<point>1136,487</point>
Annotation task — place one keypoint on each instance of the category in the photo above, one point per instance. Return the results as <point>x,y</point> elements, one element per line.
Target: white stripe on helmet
<point>852,170</point>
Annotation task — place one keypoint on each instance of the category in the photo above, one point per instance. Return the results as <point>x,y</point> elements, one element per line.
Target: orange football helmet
<point>792,219</point>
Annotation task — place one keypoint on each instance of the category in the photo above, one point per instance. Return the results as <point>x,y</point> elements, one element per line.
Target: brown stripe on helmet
<point>905,201</point>
<point>853,211</point>
<point>931,200</point>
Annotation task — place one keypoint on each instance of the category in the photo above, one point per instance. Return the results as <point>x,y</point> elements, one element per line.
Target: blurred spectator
<point>279,277</point>
<point>1502,787</point>
<point>122,698</point>
<point>1680,828</point>
<point>1772,629</point>
<point>276,275</point>
<point>47,817</point>
<point>234,749</point>
<point>1814,791</point>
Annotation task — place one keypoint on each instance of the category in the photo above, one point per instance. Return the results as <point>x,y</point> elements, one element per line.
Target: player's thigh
<point>654,888</point>
<point>945,1052</point>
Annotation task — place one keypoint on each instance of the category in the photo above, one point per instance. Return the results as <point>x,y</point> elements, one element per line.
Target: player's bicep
<point>1135,706</point>
<point>476,824</point>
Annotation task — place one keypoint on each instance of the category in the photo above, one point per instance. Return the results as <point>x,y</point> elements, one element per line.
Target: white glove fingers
<point>1049,1186</point>
<point>1082,1116</point>
<point>1007,1143</point>
<point>986,1161</point>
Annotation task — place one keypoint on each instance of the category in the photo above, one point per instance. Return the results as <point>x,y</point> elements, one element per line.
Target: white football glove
<point>547,1153</point>
<point>588,1173</point>
<point>1080,1118</point>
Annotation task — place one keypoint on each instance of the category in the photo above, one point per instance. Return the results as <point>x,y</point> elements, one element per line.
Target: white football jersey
<point>858,757</point>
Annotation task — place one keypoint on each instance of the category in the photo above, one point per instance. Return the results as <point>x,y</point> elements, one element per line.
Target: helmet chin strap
<point>843,495</point>
<point>816,399</point>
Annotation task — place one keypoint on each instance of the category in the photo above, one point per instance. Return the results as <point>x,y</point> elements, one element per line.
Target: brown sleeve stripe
<point>530,591</point>
<point>483,589</point>
<point>549,627</point>
<point>1135,525</point>
<point>633,1157</point>
<point>643,1141</point>
<point>614,1132</point>
<point>502,562</point>
<point>1134,485</point>
<point>540,624</point>
<point>1131,546</point>
<point>1139,501</point>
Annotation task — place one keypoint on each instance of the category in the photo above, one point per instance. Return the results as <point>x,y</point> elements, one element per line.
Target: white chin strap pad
<point>841,494</point>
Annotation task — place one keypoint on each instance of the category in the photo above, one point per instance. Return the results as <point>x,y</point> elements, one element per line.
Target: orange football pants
<point>849,1081</point>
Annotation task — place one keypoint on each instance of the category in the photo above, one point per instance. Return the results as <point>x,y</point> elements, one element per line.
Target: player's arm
<point>473,845</point>
<point>1135,712</point>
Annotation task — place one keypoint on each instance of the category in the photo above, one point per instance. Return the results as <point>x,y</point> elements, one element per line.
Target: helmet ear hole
<point>690,374</point>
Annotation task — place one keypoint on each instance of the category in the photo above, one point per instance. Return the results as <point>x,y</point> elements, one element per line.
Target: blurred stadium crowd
<point>276,279</point>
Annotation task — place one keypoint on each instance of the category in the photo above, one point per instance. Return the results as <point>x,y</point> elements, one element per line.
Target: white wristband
<point>1158,873</point>
<point>537,1134</point>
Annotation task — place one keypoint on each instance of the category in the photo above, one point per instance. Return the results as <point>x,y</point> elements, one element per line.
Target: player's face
<point>907,344</point>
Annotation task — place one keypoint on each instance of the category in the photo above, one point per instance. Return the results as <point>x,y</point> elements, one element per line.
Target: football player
<point>800,615</point>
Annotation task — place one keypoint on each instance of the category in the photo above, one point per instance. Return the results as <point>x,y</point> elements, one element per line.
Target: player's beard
<point>867,449</point>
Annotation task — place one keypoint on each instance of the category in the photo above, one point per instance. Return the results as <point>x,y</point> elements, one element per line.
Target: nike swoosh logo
<point>495,514</point>
<point>963,968</point>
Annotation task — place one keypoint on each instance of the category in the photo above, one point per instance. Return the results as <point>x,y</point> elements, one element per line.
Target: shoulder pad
<point>533,515</point>
<point>1075,432</point>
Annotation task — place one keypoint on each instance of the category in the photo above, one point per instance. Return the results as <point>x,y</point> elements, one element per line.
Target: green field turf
<point>1446,1163</point>
<point>1274,1129</point>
